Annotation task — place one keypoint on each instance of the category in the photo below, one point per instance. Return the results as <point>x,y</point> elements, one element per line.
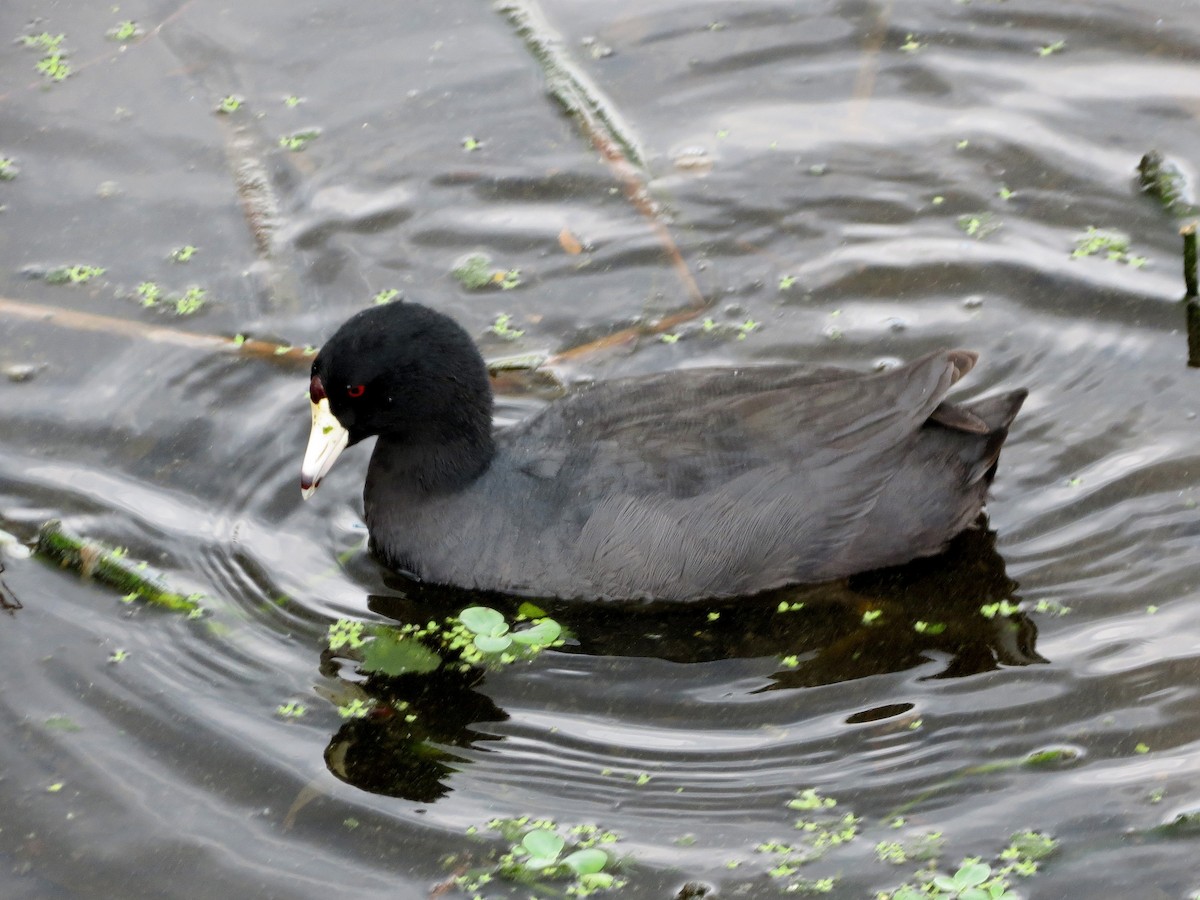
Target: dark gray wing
<point>719,481</point>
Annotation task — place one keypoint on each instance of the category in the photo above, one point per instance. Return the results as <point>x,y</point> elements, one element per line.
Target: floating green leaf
<point>502,329</point>
<point>345,633</point>
<point>149,292</point>
<point>489,643</point>
<point>530,610</point>
<point>291,710</point>
<point>356,709</point>
<point>124,31</point>
<point>483,620</point>
<point>978,225</point>
<point>191,302</point>
<point>1112,244</point>
<point>76,274</point>
<point>544,846</point>
<point>971,874</point>
<point>392,655</point>
<point>298,140</point>
<point>543,633</point>
<point>587,862</point>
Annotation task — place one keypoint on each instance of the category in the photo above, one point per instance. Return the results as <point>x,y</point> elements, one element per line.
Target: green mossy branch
<point>570,87</point>
<point>110,566</point>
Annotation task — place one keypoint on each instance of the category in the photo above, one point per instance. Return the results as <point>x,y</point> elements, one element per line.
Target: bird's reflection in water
<point>879,622</point>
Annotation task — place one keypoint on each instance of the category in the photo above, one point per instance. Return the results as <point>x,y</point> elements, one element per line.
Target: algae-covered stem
<point>568,85</point>
<point>1189,259</point>
<point>92,559</point>
<point>1163,180</point>
<point>1191,300</point>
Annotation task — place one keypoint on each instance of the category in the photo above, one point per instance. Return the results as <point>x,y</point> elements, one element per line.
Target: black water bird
<point>682,485</point>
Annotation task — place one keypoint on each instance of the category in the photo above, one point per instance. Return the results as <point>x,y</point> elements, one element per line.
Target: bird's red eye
<point>356,390</point>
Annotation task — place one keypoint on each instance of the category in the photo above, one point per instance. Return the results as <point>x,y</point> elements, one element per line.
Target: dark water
<point>784,141</point>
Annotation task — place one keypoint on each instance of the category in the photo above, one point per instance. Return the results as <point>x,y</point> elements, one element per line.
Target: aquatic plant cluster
<point>53,63</point>
<point>477,636</point>
<point>475,272</point>
<point>542,855</point>
<point>824,830</point>
<point>549,859</point>
<point>149,294</point>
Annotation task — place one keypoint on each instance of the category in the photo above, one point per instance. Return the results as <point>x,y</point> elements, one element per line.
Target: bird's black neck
<point>429,467</point>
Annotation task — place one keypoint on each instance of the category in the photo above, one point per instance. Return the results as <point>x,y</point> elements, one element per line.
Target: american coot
<point>677,486</point>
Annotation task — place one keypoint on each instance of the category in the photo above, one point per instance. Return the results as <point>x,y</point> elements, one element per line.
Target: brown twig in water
<point>864,82</point>
<point>245,153</point>
<point>260,206</point>
<point>533,378</point>
<point>82,321</point>
<point>623,337</point>
<point>444,887</point>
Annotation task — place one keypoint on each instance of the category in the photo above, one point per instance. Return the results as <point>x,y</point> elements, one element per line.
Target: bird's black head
<point>402,371</point>
<point>405,371</point>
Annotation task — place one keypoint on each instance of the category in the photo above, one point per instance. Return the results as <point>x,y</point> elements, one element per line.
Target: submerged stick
<point>624,336</point>
<point>600,123</point>
<point>570,87</point>
<point>110,566</point>
<point>864,81</point>
<point>83,321</point>
<point>1193,332</point>
<point>510,375</point>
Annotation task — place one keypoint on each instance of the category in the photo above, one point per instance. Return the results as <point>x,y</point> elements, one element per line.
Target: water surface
<point>843,149</point>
